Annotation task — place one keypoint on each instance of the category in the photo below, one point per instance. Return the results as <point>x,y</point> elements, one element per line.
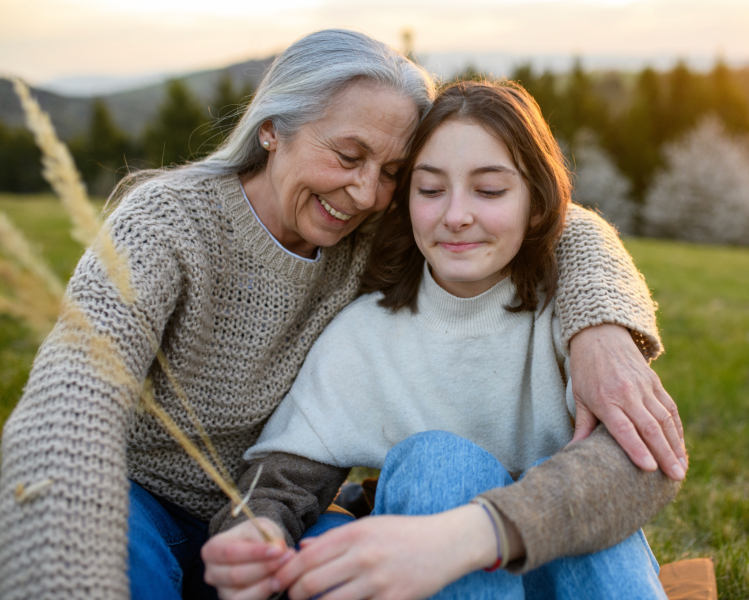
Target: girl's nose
<point>458,213</point>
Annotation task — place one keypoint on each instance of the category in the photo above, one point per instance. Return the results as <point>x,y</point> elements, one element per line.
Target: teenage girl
<point>450,377</point>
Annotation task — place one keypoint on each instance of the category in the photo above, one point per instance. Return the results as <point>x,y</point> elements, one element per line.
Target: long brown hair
<point>511,114</point>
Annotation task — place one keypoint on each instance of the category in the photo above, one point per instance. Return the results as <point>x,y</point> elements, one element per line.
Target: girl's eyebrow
<point>494,169</point>
<point>477,171</point>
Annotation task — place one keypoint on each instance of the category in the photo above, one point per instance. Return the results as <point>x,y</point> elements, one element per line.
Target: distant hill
<point>131,110</point>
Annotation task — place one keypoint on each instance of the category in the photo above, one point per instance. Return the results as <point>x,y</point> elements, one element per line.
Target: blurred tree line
<point>618,130</point>
<point>183,129</point>
<point>633,127</point>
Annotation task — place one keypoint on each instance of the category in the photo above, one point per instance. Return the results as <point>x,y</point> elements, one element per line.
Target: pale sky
<point>42,40</point>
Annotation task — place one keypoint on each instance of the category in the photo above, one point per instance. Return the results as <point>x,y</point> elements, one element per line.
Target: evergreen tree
<point>20,162</point>
<point>543,89</point>
<point>101,155</point>
<point>579,107</point>
<point>174,136</point>
<point>728,99</point>
<point>469,73</point>
<point>227,107</point>
<point>686,101</point>
<point>635,137</point>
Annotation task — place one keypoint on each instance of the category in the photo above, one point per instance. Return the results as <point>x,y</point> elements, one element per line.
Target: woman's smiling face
<point>319,186</point>
<point>469,207</point>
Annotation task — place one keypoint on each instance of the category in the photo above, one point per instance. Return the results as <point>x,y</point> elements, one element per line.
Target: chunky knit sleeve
<point>598,283</point>
<point>68,432</point>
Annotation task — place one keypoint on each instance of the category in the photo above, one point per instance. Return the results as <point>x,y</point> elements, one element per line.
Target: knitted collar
<point>441,311</point>
<point>255,238</point>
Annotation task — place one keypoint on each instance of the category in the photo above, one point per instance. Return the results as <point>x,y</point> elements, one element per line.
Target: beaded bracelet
<point>499,531</point>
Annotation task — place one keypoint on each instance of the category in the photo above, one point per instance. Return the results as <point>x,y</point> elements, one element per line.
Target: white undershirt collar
<point>289,252</point>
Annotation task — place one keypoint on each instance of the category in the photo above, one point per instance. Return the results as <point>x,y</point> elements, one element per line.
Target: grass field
<point>703,293</point>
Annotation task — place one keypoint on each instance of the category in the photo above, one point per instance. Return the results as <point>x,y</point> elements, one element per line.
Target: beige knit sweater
<point>235,316</point>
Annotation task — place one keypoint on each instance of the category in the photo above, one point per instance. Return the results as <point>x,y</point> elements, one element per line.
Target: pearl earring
<point>266,144</point>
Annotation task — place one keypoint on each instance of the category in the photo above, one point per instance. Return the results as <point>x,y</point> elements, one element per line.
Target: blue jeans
<point>436,471</point>
<point>164,544</point>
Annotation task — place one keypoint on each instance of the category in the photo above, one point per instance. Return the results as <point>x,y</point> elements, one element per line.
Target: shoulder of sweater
<point>358,319</point>
<point>176,185</point>
<point>580,218</point>
<point>166,197</point>
<point>361,310</point>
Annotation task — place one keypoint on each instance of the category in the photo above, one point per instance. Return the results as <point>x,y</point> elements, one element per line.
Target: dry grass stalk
<point>60,171</point>
<point>166,367</point>
<point>16,246</point>
<point>239,507</point>
<point>101,350</point>
<point>59,168</point>
<point>31,300</point>
<point>28,493</point>
<point>151,406</point>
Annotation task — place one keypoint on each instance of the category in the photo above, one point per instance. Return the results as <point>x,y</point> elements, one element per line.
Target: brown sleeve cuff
<point>586,498</point>
<point>292,491</point>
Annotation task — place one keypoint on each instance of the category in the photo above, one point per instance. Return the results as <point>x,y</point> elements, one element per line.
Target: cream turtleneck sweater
<point>464,365</point>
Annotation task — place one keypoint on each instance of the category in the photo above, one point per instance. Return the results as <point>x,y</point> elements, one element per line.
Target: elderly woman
<point>238,263</point>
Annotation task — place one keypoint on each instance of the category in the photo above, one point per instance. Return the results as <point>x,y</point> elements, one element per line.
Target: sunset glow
<point>46,39</point>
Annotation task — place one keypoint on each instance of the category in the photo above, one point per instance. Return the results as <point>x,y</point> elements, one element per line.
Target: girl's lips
<point>459,246</point>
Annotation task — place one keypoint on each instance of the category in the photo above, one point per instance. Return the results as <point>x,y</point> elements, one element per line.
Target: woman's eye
<point>391,174</point>
<point>351,160</point>
<point>492,193</point>
<point>428,193</point>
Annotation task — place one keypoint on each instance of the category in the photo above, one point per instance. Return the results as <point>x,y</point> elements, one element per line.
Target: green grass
<point>703,293</point>
<point>44,223</point>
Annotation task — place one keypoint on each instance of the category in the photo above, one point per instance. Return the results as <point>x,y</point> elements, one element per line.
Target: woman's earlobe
<point>267,136</point>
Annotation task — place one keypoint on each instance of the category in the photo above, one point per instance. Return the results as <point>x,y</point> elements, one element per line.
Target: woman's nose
<point>364,190</point>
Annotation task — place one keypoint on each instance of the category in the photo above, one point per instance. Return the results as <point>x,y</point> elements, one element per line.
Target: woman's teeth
<point>333,211</point>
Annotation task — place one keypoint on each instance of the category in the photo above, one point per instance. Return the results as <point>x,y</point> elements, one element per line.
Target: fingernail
<point>683,463</point>
<point>275,585</point>
<point>650,464</point>
<point>273,551</point>
<point>677,471</point>
<point>286,557</point>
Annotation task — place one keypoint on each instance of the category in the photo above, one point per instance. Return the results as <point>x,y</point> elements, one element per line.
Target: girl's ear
<point>535,219</point>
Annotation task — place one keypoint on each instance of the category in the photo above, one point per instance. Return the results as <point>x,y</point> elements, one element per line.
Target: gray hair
<point>301,84</point>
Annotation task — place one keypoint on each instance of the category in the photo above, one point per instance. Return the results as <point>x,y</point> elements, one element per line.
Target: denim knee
<point>435,471</point>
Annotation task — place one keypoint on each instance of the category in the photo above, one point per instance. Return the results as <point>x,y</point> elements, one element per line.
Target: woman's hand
<point>239,563</point>
<point>391,556</point>
<point>611,381</point>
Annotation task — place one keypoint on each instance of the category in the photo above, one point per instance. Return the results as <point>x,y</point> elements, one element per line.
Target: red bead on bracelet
<point>497,565</point>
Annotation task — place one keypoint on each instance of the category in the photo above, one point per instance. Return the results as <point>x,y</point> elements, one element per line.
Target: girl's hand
<point>612,382</point>
<point>387,557</point>
<point>239,563</point>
